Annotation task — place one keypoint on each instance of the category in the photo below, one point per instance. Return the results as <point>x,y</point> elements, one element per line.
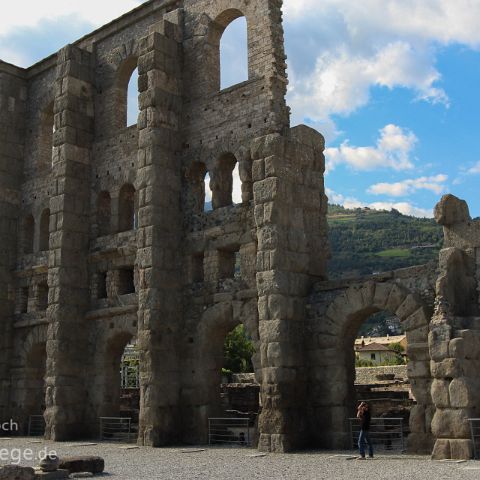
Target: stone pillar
<point>67,343</point>
<point>159,236</point>
<point>288,199</point>
<point>454,338</point>
<point>12,114</point>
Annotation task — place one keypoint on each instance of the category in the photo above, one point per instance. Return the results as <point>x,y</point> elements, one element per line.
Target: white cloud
<point>30,12</point>
<point>392,150</point>
<point>475,169</point>
<point>406,208</point>
<point>435,184</point>
<point>354,46</point>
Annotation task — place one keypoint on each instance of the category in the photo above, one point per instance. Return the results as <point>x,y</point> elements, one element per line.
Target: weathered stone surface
<point>58,474</point>
<point>16,472</point>
<point>450,423</point>
<point>83,464</point>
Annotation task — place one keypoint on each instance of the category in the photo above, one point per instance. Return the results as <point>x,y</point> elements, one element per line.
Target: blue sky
<point>391,84</point>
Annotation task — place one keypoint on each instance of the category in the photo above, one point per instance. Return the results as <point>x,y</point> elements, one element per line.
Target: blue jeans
<point>363,438</point>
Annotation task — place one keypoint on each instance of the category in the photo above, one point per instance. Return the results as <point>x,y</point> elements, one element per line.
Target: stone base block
<point>456,449</point>
<point>59,474</point>
<point>16,472</point>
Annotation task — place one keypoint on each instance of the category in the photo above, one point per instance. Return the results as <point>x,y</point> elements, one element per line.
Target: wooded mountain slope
<point>365,241</point>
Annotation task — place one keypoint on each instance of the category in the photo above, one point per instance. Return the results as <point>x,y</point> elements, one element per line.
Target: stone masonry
<point>105,240</point>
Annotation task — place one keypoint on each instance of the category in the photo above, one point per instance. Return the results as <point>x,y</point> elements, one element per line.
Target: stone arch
<point>207,360</point>
<point>124,73</point>
<point>196,177</point>
<point>126,208</point>
<point>343,317</point>
<point>216,30</point>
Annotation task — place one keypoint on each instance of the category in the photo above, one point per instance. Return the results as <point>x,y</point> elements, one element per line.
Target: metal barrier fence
<point>385,433</point>
<point>475,432</point>
<point>115,429</point>
<point>36,426</point>
<point>234,431</point>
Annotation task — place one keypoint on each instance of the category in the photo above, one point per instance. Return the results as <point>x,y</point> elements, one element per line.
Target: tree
<point>238,351</point>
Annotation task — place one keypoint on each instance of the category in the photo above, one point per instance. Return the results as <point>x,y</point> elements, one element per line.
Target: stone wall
<point>368,375</point>
<point>105,239</point>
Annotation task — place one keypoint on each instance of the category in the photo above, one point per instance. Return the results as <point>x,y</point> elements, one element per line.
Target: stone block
<point>451,423</point>
<point>440,395</point>
<point>91,464</point>
<point>417,319</point>
<point>16,472</point>
<point>461,449</point>
<point>456,348</point>
<point>461,393</point>
<point>417,419</point>
<point>408,306</point>
<point>441,449</point>
<point>418,369</point>
<point>448,368</point>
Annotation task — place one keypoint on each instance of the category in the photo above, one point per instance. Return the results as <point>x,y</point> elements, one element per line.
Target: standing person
<point>363,413</point>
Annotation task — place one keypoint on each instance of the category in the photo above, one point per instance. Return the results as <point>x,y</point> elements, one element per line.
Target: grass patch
<point>395,252</point>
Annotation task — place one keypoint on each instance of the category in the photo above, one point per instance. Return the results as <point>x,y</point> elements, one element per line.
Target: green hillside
<point>365,241</point>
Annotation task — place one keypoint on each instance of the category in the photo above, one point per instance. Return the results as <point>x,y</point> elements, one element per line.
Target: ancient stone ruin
<point>104,239</point>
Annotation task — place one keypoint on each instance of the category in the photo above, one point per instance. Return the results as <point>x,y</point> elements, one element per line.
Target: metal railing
<point>36,426</point>
<point>234,431</point>
<point>115,429</point>
<point>475,432</point>
<point>385,433</point>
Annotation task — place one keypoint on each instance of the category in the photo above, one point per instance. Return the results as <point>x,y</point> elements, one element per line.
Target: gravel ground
<point>127,462</point>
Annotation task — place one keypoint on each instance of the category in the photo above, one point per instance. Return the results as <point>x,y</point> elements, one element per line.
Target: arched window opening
<point>227,61</point>
<point>45,140</point>
<point>221,182</point>
<point>228,263</point>
<point>132,99</point>
<point>237,186</point>
<point>199,181</point>
<point>44,234</point>
<point>42,296</point>
<point>207,205</point>
<point>28,234</point>
<point>125,281</point>
<point>126,105</point>
<point>234,54</point>
<point>104,214</point>
<point>126,209</point>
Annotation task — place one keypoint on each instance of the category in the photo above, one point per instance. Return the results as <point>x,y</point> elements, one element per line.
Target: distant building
<point>386,341</point>
<point>376,353</point>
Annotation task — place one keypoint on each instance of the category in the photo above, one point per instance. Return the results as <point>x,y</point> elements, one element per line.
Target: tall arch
<point>333,365</point>
<point>126,208</point>
<point>234,53</point>
<point>125,74</point>
<point>216,31</point>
